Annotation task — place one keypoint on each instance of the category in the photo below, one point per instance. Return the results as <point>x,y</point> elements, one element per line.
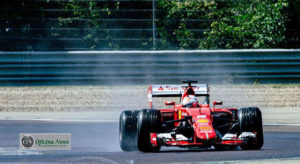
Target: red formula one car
<point>190,123</point>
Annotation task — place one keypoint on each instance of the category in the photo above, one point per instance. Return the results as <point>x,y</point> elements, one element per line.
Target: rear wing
<point>175,91</point>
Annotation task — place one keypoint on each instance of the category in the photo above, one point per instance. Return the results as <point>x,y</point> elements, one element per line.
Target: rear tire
<point>250,120</point>
<point>148,121</point>
<point>128,130</point>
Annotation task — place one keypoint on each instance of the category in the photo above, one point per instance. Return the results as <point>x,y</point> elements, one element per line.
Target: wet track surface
<point>98,142</point>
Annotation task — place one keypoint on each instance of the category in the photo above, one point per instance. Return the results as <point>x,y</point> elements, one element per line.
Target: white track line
<point>281,124</point>
<point>82,120</point>
<point>57,120</point>
<point>291,160</point>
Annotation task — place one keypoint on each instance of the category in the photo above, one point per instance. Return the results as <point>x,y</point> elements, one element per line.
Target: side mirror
<point>217,103</point>
<point>170,103</point>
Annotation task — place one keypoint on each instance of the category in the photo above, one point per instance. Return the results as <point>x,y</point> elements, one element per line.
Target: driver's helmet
<point>189,100</point>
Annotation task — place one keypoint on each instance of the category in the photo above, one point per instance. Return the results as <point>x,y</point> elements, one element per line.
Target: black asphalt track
<point>97,142</point>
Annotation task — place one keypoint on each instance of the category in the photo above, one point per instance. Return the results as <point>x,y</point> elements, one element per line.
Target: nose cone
<point>204,130</point>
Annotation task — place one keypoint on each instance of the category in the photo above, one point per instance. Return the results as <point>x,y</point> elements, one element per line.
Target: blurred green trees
<point>225,24</point>
<point>179,24</point>
<point>257,24</point>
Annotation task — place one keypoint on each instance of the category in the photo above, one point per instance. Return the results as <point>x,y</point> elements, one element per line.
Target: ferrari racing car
<point>190,123</point>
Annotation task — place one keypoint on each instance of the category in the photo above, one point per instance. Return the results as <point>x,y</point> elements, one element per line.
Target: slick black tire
<point>148,121</point>
<point>250,120</point>
<point>128,130</point>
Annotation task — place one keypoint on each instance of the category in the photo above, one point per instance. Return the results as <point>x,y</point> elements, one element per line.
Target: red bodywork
<point>201,120</point>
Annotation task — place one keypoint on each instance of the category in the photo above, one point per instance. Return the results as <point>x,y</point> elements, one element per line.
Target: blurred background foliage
<point>128,24</point>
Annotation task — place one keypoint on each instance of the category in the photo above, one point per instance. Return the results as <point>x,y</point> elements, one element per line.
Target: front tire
<point>148,121</point>
<point>128,130</point>
<point>250,120</point>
